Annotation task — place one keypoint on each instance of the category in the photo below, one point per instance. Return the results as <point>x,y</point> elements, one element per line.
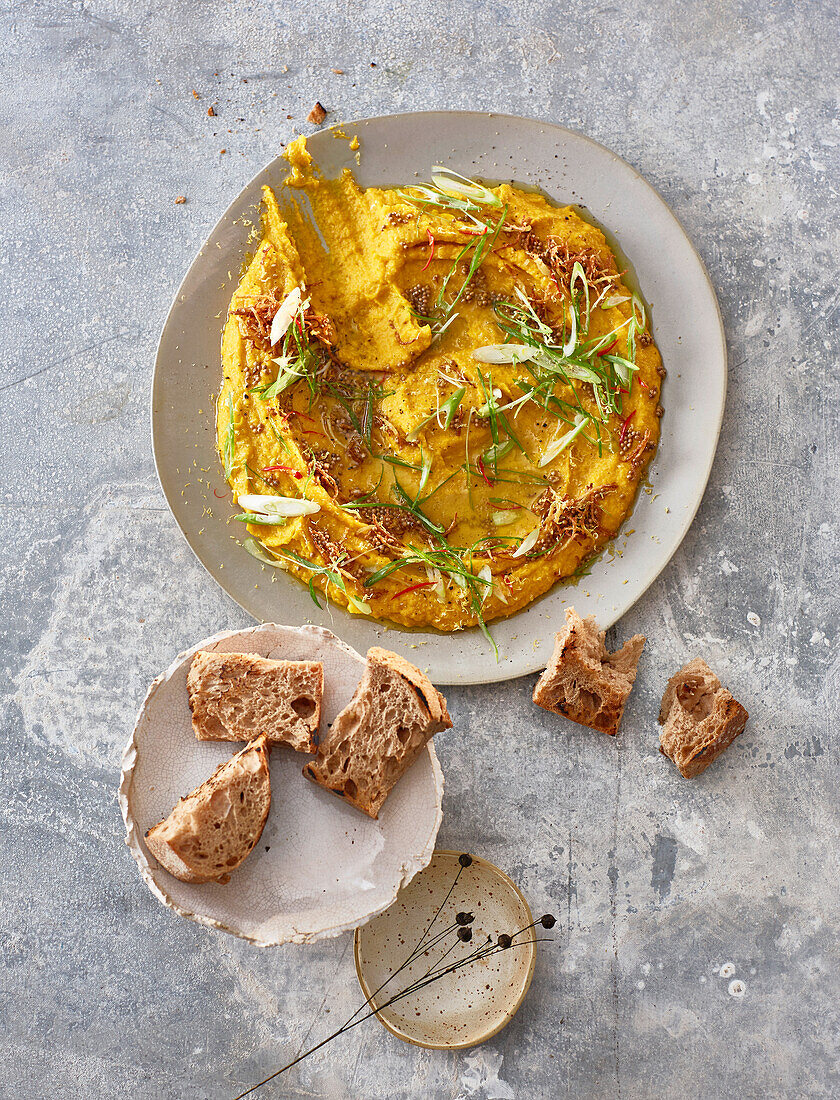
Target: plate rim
<point>509,1012</point>
<point>128,763</point>
<point>606,620</point>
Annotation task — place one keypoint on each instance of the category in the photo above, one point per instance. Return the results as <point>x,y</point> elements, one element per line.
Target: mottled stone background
<point>731,110</point>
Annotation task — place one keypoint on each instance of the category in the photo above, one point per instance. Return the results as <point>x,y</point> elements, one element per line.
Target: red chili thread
<point>482,471</point>
<point>624,426</point>
<point>413,588</point>
<point>219,496</point>
<point>285,469</point>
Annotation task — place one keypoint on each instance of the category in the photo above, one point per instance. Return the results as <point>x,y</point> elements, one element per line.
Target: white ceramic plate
<point>320,866</point>
<point>470,1004</point>
<point>687,327</point>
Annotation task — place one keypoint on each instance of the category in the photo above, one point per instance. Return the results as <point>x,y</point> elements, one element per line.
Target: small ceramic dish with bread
<point>250,838</point>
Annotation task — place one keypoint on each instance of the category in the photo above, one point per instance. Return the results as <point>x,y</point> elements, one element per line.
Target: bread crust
<point>584,681</point>
<point>202,839</point>
<point>700,718</point>
<point>373,742</point>
<point>435,702</point>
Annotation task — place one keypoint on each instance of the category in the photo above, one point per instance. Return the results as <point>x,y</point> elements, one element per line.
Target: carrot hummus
<point>438,401</point>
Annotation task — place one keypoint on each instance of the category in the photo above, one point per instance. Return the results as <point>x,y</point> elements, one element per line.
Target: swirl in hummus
<point>438,401</point>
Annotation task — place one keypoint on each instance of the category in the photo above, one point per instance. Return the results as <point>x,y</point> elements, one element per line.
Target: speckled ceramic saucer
<point>474,1001</point>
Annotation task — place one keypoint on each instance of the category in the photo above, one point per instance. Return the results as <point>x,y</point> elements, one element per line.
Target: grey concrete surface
<point>661,885</point>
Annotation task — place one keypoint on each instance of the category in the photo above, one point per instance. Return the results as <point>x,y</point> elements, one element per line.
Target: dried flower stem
<point>436,970</point>
<point>415,987</point>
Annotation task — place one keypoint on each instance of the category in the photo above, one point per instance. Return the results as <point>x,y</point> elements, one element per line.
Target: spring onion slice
<point>505,353</point>
<point>268,505</point>
<point>453,183</point>
<point>504,517</point>
<point>289,307</point>
<point>256,551</point>
<point>257,517</point>
<point>528,543</point>
<point>448,407</point>
<point>559,445</point>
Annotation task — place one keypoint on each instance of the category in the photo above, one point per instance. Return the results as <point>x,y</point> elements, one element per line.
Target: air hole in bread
<point>384,687</point>
<point>392,765</point>
<point>214,728</point>
<point>403,734</point>
<point>696,698</point>
<point>590,700</point>
<point>219,801</point>
<point>303,707</point>
<point>350,789</point>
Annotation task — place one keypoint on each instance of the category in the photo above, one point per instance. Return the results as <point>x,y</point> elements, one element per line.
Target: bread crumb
<point>222,151</point>
<point>338,72</point>
<point>195,94</point>
<point>180,200</point>
<point>211,112</point>
<point>317,115</point>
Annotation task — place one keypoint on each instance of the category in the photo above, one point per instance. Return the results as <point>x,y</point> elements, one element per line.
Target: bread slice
<point>212,830</point>
<point>700,718</point>
<point>235,696</point>
<point>583,681</point>
<point>380,733</point>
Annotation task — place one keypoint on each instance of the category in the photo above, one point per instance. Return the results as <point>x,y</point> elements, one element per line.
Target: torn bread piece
<point>583,681</point>
<point>235,696</point>
<point>700,718</point>
<point>212,830</point>
<point>380,733</point>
